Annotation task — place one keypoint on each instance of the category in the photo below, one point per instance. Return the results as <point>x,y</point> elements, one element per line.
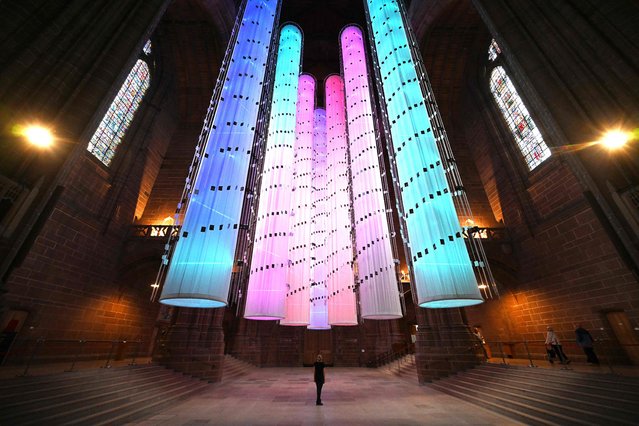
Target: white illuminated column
<point>299,249</point>
<point>200,267</point>
<point>377,277</point>
<point>342,308</point>
<point>319,292</point>
<point>269,262</point>
<point>443,274</point>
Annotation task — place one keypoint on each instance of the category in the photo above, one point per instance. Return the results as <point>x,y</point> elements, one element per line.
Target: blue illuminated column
<point>342,308</point>
<point>376,267</point>
<point>299,249</point>
<point>319,291</point>
<point>270,259</point>
<point>200,267</point>
<point>443,274</point>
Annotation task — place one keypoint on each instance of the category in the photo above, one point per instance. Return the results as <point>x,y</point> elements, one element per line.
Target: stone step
<point>54,394</point>
<point>65,387</point>
<point>36,382</point>
<point>82,402</point>
<point>568,377</point>
<point>541,396</point>
<point>512,409</point>
<point>582,402</point>
<point>542,382</point>
<point>110,402</point>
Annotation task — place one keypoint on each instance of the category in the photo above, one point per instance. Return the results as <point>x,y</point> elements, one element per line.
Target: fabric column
<point>342,308</point>
<point>377,278</point>
<point>269,262</point>
<point>319,293</point>
<point>442,270</point>
<point>199,272</point>
<point>297,304</point>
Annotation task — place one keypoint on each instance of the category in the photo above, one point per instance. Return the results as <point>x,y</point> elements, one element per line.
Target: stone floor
<point>351,396</point>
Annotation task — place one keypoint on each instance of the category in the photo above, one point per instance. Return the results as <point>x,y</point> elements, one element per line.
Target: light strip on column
<point>442,270</point>
<point>377,278</point>
<point>299,250</point>
<point>269,263</point>
<point>342,308</point>
<point>200,267</point>
<point>319,292</point>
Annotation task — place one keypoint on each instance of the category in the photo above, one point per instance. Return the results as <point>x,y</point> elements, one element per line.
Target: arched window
<point>524,130</point>
<point>116,121</point>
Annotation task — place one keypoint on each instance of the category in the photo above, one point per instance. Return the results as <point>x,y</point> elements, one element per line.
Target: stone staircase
<point>93,397</point>
<point>403,368</point>
<point>538,396</point>
<point>234,368</point>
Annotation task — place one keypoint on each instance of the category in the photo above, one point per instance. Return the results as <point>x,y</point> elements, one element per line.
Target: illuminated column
<point>443,274</point>
<point>377,278</point>
<point>200,268</point>
<point>299,249</point>
<point>342,308</point>
<point>319,293</point>
<point>269,262</point>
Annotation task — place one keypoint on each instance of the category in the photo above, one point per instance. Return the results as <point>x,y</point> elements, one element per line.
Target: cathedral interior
<point>108,113</point>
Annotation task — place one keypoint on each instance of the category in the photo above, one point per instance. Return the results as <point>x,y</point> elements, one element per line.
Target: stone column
<point>444,344</point>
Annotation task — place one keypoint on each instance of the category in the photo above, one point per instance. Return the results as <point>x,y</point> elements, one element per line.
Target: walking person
<point>319,378</point>
<point>586,342</point>
<point>481,340</point>
<point>553,341</point>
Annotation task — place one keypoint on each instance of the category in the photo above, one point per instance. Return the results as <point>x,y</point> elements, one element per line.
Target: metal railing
<point>392,355</point>
<point>610,353</point>
<point>29,352</point>
<point>153,231</point>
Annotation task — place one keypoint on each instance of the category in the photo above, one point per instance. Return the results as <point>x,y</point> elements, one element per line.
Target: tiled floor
<point>351,396</point>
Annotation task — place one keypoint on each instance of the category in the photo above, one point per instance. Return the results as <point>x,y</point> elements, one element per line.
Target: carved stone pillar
<point>444,344</point>
<point>195,344</point>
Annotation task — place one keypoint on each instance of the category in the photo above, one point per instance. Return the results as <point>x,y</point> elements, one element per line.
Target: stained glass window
<point>147,47</point>
<point>526,134</point>
<point>116,121</point>
<point>493,50</point>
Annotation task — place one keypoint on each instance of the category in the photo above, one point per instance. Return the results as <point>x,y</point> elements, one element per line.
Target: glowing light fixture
<point>267,290</point>
<point>38,136</point>
<point>376,266</point>
<point>615,139</point>
<point>342,308</point>
<point>202,260</point>
<point>299,249</point>
<point>319,291</point>
<point>442,269</point>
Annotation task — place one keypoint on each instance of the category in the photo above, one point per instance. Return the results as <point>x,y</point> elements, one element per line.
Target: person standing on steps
<point>553,341</point>
<point>319,378</point>
<point>585,340</point>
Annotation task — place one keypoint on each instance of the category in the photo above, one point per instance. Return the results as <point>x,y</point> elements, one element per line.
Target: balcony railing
<point>488,234</point>
<point>154,231</point>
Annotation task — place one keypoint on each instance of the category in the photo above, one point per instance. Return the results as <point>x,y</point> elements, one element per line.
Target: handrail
<point>604,347</point>
<point>39,343</point>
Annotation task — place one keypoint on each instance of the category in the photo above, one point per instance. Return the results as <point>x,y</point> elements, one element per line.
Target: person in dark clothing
<point>585,340</point>
<point>319,378</point>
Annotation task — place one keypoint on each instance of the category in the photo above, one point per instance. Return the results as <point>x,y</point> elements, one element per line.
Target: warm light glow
<point>38,135</point>
<point>168,221</point>
<point>155,285</point>
<point>614,139</point>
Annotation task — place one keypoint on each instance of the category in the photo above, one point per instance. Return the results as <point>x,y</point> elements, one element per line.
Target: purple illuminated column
<point>269,262</point>
<point>342,309</point>
<point>319,293</point>
<point>377,278</point>
<point>297,306</point>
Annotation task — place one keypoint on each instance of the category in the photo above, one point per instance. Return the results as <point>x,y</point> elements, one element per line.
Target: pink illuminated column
<point>377,278</point>
<point>319,293</point>
<point>297,306</point>
<point>342,309</point>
